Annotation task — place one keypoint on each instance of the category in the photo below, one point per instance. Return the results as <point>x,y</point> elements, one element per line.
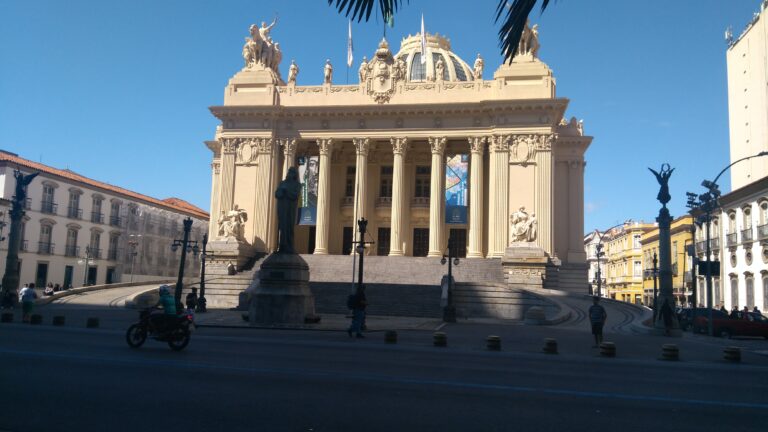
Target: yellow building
<point>681,236</point>
<point>624,273</point>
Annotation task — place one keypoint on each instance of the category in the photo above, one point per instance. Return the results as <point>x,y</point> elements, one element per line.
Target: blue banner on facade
<point>309,169</point>
<point>456,170</point>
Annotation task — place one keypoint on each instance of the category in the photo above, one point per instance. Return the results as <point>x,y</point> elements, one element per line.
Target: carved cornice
<point>477,144</point>
<point>437,144</point>
<point>362,145</point>
<point>325,146</point>
<point>399,145</point>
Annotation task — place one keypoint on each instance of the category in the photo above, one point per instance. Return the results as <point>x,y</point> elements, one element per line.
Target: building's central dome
<point>438,48</point>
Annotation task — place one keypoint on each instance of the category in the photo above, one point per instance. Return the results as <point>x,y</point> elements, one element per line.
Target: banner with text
<point>309,169</point>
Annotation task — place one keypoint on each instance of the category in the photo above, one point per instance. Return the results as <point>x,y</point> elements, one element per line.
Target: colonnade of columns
<point>498,193</point>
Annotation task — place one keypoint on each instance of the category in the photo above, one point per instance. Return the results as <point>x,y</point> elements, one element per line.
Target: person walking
<point>192,300</point>
<point>27,297</point>
<point>357,302</point>
<point>597,317</point>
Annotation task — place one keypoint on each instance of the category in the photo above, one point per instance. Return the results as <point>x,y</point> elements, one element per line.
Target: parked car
<point>736,324</point>
<point>685,316</point>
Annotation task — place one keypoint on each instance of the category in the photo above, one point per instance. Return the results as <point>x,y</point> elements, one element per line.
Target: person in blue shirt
<point>597,317</point>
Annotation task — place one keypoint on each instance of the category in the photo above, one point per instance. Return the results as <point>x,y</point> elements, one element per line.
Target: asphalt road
<point>78,380</point>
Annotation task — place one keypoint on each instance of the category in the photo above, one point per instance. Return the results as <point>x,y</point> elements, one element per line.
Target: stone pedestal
<point>525,265</point>
<point>229,250</point>
<point>282,295</point>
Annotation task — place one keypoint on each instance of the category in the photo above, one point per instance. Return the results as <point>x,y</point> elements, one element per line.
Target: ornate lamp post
<point>186,245</point>
<point>707,203</point>
<point>87,263</point>
<point>11,276</point>
<point>362,226</point>
<point>201,301</point>
<point>655,283</point>
<point>133,244</point>
<point>599,252</point>
<point>449,311</point>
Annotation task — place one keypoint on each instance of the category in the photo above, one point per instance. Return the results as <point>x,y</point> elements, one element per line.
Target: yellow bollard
<point>732,354</point>
<point>440,339</point>
<point>493,343</point>
<point>608,349</point>
<point>670,352</point>
<point>550,346</point>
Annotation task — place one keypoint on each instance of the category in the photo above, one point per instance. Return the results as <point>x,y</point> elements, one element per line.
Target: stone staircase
<point>222,290</point>
<point>573,278</point>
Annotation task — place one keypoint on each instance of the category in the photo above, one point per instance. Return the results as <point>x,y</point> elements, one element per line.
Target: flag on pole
<point>350,57</point>
<point>423,42</point>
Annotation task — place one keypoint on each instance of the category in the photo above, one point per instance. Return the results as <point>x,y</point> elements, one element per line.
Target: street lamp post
<point>185,245</point>
<point>362,226</point>
<point>655,283</point>
<point>449,311</point>
<point>600,253</point>
<point>133,244</point>
<point>201,301</point>
<point>87,265</point>
<point>708,202</point>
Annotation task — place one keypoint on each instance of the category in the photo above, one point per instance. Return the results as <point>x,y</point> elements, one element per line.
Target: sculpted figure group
<point>259,49</point>
<point>529,41</point>
<point>523,226</point>
<point>231,224</point>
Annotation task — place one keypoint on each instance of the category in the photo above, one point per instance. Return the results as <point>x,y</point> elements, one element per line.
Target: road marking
<point>387,379</point>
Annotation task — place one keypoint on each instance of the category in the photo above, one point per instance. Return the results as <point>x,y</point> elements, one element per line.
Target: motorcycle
<point>176,330</point>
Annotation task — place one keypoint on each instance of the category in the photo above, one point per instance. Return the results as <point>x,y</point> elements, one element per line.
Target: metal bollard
<point>390,337</point>
<point>732,354</point>
<point>608,349</point>
<point>92,322</point>
<point>58,320</point>
<point>493,343</point>
<point>440,339</point>
<point>6,317</point>
<point>550,346</point>
<point>36,319</point>
<point>670,352</point>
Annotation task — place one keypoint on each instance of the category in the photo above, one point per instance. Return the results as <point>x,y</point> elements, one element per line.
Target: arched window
<point>763,212</point>
<point>418,70</point>
<point>459,68</point>
<point>45,245</point>
<point>717,292</point>
<point>71,249</point>
<point>734,291</point>
<point>731,222</point>
<point>747,214</point>
<point>765,291</point>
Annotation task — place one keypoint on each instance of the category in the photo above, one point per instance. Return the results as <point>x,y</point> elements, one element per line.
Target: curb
<point>73,291</point>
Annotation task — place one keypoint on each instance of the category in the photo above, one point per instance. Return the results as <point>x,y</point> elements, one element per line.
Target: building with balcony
<point>591,241</point>
<point>110,228</point>
<point>681,242</point>
<point>624,266</point>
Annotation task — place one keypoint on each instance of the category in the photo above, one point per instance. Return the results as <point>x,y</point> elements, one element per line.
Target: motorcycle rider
<point>168,304</point>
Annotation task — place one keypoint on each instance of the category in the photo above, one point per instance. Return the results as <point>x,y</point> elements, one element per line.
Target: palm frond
<point>359,10</point>
<point>514,23</point>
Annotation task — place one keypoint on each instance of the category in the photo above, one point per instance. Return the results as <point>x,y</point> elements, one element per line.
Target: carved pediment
<point>382,73</point>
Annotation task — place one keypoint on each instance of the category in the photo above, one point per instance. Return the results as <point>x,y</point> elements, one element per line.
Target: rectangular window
<point>382,245</point>
<point>349,185</point>
<point>385,188</point>
<point>458,238</point>
<point>638,270</point>
<point>422,182</point>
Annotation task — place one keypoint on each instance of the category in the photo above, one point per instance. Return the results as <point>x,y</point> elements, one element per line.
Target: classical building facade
<point>78,231</point>
<point>623,252</point>
<point>748,100</point>
<point>422,147</point>
<point>591,241</point>
<point>681,237</point>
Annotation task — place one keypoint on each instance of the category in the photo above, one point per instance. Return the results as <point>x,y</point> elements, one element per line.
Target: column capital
<point>500,143</point>
<point>399,145</point>
<point>362,145</point>
<point>437,144</point>
<point>540,142</point>
<point>230,145</point>
<point>289,146</point>
<point>325,146</point>
<point>216,167</point>
<point>477,144</point>
<point>262,145</point>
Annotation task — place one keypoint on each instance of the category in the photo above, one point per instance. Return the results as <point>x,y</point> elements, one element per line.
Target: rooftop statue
<point>327,72</point>
<point>363,71</point>
<point>529,41</point>
<point>663,178</point>
<point>477,70</point>
<point>293,71</point>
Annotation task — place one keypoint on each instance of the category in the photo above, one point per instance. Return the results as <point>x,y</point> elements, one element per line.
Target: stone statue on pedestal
<point>293,71</point>
<point>523,226</point>
<point>663,178</point>
<point>231,224</point>
<point>439,69</point>
<point>287,195</point>
<point>363,71</point>
<point>529,41</point>
<point>260,51</point>
<point>477,70</point>
<point>327,72</point>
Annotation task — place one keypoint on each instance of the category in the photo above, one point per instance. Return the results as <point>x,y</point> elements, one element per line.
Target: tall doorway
<point>382,246</point>
<point>311,239</point>
<point>459,238</point>
<point>420,242</point>
<point>41,275</point>
<point>68,271</point>
<point>346,241</point>
<point>92,273</point>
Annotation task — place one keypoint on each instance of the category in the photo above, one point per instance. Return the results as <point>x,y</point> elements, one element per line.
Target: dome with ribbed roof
<point>438,48</point>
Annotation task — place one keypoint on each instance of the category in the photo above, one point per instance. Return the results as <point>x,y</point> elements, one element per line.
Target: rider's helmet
<point>164,290</point>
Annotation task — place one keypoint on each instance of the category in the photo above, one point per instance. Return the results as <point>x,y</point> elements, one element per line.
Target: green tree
<point>513,15</point>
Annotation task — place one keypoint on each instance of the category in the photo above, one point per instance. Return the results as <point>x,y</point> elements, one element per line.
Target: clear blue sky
<point>119,90</point>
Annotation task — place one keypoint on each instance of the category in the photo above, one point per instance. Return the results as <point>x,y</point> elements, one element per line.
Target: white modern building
<point>78,231</point>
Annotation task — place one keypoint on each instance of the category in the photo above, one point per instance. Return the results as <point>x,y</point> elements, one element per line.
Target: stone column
<point>575,211</point>
<point>227,191</point>
<point>263,195</point>
<point>276,175</point>
<point>498,229</point>
<point>399,147</point>
<point>213,223</point>
<point>477,147</point>
<point>543,181</point>
<point>323,197</point>
<point>436,195</point>
<point>362,146</point>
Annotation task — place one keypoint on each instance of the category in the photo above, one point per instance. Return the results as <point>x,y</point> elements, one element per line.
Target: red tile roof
<point>174,204</point>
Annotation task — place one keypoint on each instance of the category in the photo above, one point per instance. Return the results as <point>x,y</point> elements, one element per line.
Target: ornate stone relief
<point>325,146</point>
<point>216,167</point>
<point>522,226</point>
<point>381,75</point>
<point>289,146</point>
<point>229,145</point>
<point>522,149</point>
<point>437,144</point>
<point>500,143</point>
